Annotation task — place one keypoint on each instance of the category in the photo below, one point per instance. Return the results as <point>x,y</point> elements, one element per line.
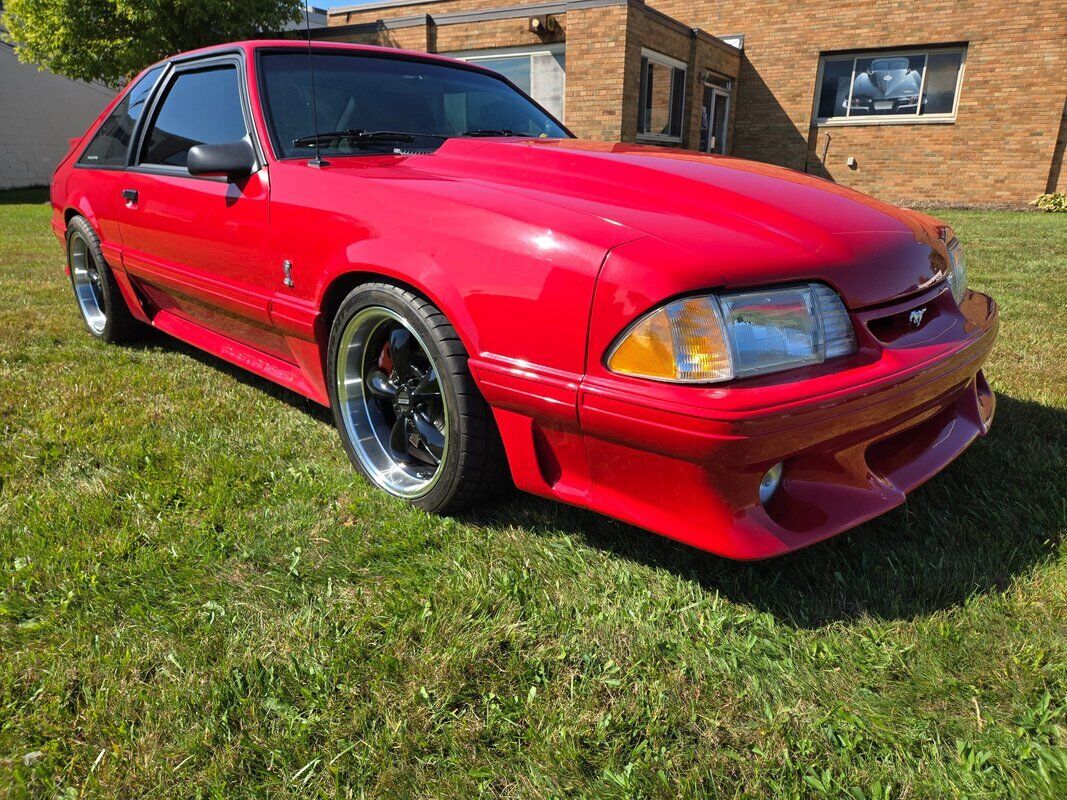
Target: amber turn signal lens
<point>647,351</point>
<point>683,341</point>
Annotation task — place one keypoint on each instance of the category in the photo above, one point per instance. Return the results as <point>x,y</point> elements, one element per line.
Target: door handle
<point>130,196</point>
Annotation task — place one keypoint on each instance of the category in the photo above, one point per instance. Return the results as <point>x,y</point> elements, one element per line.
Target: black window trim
<point>138,123</point>
<point>179,66</point>
<point>272,136</point>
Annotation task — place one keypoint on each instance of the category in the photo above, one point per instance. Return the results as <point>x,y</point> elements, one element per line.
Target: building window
<point>540,71</point>
<point>893,86</point>
<point>659,116</point>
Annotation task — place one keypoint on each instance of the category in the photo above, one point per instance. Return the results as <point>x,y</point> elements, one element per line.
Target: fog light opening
<point>770,482</point>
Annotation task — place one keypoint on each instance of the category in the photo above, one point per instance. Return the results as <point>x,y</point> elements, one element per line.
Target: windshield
<point>889,64</point>
<point>359,92</point>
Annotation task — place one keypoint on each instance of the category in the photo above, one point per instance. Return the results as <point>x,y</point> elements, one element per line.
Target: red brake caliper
<point>385,359</point>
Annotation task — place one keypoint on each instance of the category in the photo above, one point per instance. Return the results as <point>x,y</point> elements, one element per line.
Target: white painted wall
<point>39,112</point>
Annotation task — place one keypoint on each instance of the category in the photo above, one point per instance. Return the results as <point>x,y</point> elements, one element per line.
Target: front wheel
<point>410,417</point>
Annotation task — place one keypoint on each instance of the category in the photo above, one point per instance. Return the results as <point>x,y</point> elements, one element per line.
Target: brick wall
<point>1002,148</point>
<point>494,33</point>
<point>597,61</point>
<point>1057,176</point>
<point>652,30</point>
<point>725,63</point>
<point>603,51</point>
<point>347,16</point>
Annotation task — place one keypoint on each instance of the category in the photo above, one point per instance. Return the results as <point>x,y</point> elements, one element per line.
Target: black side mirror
<point>234,159</point>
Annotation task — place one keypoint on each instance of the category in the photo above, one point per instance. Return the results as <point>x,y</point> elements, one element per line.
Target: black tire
<point>118,325</point>
<point>474,466</point>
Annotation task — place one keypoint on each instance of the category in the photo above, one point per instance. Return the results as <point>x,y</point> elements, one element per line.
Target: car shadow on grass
<point>152,340</point>
<point>991,517</point>
<point>18,197</point>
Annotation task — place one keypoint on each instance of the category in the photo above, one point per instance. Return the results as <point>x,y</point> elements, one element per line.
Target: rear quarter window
<point>111,143</point>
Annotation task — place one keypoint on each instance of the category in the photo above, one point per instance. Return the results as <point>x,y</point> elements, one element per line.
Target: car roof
<point>249,46</point>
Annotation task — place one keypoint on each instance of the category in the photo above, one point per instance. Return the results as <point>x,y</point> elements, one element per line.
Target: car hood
<point>751,223</point>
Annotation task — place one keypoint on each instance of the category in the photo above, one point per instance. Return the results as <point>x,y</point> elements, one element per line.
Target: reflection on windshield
<point>371,93</point>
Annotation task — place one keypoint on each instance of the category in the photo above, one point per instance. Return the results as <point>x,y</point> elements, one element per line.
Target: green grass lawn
<point>199,597</point>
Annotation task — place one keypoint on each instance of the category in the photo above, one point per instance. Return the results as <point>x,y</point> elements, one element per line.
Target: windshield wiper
<point>491,132</point>
<point>359,135</point>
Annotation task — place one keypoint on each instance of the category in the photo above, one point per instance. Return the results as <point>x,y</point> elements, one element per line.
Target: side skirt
<point>273,369</point>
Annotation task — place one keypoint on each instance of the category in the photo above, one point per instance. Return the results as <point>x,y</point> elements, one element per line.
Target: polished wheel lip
<point>363,422</point>
<point>85,274</point>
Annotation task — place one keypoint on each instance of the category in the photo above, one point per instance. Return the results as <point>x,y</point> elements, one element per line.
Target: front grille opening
<point>902,449</point>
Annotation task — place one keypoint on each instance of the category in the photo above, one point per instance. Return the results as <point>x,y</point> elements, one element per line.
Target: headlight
<point>957,270</point>
<point>713,338</point>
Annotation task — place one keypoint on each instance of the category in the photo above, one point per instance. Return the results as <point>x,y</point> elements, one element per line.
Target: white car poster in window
<point>889,84</point>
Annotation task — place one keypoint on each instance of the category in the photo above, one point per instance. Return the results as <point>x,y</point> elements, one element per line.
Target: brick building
<point>943,101</point>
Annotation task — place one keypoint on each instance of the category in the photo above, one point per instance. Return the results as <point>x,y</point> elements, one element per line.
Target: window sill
<point>651,138</point>
<point>849,122</point>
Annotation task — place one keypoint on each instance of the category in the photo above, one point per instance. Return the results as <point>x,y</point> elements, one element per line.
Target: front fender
<point>509,275</point>
<point>405,264</point>
<point>516,290</point>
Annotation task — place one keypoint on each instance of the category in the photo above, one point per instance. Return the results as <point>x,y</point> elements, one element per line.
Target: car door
<point>196,246</point>
<point>95,187</point>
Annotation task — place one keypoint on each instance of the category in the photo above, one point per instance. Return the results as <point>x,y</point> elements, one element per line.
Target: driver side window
<point>199,107</point>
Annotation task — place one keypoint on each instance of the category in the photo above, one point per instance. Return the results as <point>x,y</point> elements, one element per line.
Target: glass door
<point>713,117</point>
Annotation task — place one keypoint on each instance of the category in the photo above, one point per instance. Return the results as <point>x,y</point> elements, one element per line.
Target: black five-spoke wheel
<point>409,414</point>
<point>404,381</point>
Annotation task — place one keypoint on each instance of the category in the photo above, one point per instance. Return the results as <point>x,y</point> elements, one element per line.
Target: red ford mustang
<point>738,356</point>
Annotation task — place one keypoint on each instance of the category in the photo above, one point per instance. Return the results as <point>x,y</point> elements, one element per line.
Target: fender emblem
<point>916,316</point>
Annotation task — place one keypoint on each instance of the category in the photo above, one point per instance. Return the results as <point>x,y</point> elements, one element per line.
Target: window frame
<point>654,57</point>
<point>234,60</point>
<point>890,119</point>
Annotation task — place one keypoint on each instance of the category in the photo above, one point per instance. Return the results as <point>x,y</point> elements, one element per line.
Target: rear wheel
<point>99,298</point>
<point>409,414</point>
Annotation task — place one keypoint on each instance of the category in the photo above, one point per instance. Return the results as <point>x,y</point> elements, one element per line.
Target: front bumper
<point>854,437</point>
<point>888,105</point>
